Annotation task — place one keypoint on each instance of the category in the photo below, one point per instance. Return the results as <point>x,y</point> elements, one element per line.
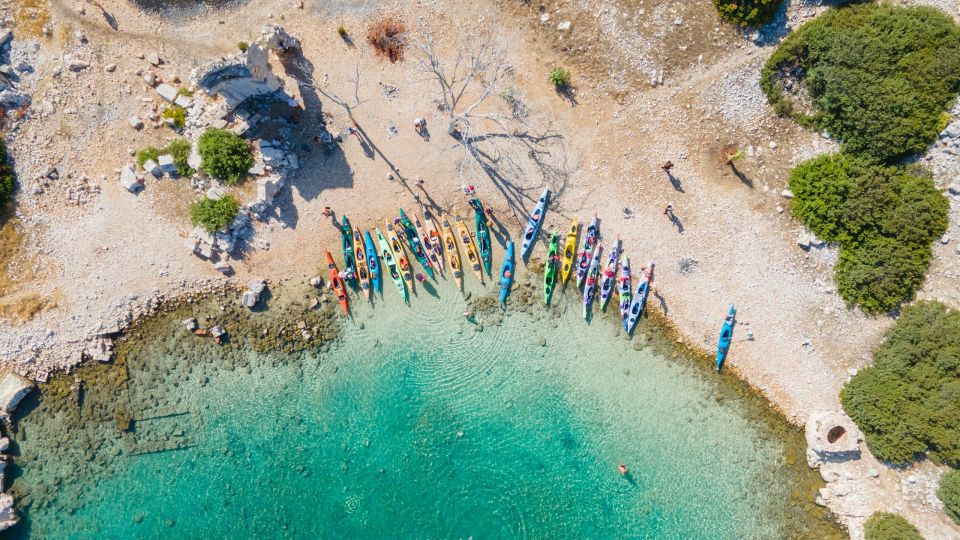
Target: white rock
<point>153,58</point>
<point>166,163</point>
<point>183,101</point>
<point>167,92</point>
<point>954,188</point>
<point>13,388</point>
<point>8,518</point>
<point>223,267</point>
<point>787,194</point>
<point>129,179</point>
<point>545,17</point>
<point>191,324</point>
<point>216,193</point>
<point>151,167</point>
<point>135,122</point>
<point>873,473</point>
<point>773,145</point>
<point>257,285</point>
<point>110,68</point>
<point>150,78</point>
<point>249,299</point>
<point>564,26</point>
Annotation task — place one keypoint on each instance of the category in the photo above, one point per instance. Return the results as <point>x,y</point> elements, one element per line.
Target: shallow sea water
<point>414,424</point>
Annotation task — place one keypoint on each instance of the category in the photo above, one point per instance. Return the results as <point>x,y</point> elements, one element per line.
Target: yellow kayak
<point>453,255</point>
<point>360,254</point>
<point>473,256</point>
<point>399,254</point>
<point>569,252</point>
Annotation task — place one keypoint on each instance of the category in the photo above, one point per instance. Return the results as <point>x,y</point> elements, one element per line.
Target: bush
<point>342,32</point>
<point>225,155</point>
<point>243,46</point>
<point>887,526</point>
<point>883,217</point>
<point>747,12</point>
<point>179,149</point>
<point>388,38</point>
<point>560,78</point>
<point>949,494</point>
<point>214,215</point>
<point>908,401</point>
<point>878,77</point>
<point>7,179</point>
<point>177,114</point>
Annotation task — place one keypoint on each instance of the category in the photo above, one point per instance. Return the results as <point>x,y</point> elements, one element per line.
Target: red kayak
<point>337,284</point>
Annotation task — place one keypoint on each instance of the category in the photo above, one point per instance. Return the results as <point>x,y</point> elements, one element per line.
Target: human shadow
<point>431,290</point>
<point>677,223</point>
<point>675,182</point>
<point>424,133</point>
<point>663,302</point>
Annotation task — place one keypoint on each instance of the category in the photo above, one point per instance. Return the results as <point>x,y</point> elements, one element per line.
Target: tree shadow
<point>739,174</point>
<point>568,93</point>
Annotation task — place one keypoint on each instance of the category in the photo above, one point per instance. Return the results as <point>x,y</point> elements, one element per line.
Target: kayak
<point>436,235</point>
<point>472,256</point>
<point>363,273</point>
<point>373,263</point>
<point>336,284</point>
<point>483,235</point>
<point>639,301</point>
<point>506,274</point>
<point>533,224</point>
<point>391,263</point>
<point>399,255</point>
<point>625,292</point>
<point>569,252</point>
<point>609,276</point>
<point>453,255</point>
<point>349,263</point>
<point>726,334</point>
<point>583,263</point>
<point>590,287</point>
<point>550,271</point>
<point>433,251</point>
<point>416,247</point>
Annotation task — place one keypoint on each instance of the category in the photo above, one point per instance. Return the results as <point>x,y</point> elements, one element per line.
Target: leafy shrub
<point>878,77</point>
<point>883,217</point>
<point>179,149</point>
<point>908,401</point>
<point>214,214</point>
<point>949,494</point>
<point>388,38</point>
<point>185,92</point>
<point>560,78</point>
<point>177,114</point>
<point>243,46</point>
<point>747,12</point>
<point>342,32</point>
<point>7,179</point>
<point>887,526</point>
<point>225,155</point>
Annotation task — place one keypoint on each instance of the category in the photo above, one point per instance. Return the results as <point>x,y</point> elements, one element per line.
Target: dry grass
<point>30,16</point>
<point>16,303</point>
<point>388,38</point>
<point>24,307</point>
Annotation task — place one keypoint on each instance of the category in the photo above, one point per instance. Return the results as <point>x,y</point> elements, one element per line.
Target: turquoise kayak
<point>373,262</point>
<point>413,239</point>
<point>483,234</point>
<point>726,335</point>
<point>506,274</point>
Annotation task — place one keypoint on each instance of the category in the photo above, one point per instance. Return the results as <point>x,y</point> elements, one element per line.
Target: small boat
<point>391,263</point>
<point>349,261</point>
<point>360,253</point>
<point>506,274</point>
<point>373,263</point>
<point>590,287</point>
<point>336,284</point>
<point>639,301</point>
<point>583,258</point>
<point>413,239</point>
<point>429,244</point>
<point>473,257</point>
<point>569,252</point>
<point>400,255</point>
<point>609,276</point>
<point>625,291</point>
<point>551,270</point>
<point>483,234</point>
<point>726,334</point>
<point>533,224</point>
<point>453,255</point>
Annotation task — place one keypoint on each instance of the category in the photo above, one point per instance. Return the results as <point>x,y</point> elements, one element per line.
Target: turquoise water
<point>416,424</point>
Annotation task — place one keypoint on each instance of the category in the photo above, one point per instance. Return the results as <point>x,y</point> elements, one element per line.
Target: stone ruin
<point>831,437</point>
<point>13,388</point>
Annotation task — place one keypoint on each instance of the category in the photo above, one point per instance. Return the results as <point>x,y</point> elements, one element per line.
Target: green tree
<point>949,494</point>
<point>881,274</point>
<point>747,12</point>
<point>214,214</point>
<point>887,526</point>
<point>223,154</point>
<point>908,402</point>
<point>879,77</point>
<point>7,179</point>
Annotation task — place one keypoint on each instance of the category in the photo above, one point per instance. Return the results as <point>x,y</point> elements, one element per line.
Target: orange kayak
<point>337,284</point>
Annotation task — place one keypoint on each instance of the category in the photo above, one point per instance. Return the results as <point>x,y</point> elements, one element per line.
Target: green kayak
<point>550,270</point>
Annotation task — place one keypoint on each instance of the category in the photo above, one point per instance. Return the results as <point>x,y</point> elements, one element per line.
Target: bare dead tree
<point>487,117</point>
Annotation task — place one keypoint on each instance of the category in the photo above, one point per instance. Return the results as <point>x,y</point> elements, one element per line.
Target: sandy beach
<point>653,81</point>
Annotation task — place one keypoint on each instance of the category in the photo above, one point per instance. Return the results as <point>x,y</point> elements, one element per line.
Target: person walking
<point>667,166</point>
<point>668,211</point>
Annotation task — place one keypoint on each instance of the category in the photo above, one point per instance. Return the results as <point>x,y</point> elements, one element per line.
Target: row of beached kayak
<point>437,248</point>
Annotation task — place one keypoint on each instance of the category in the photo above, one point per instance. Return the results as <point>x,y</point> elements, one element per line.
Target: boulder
<point>100,350</point>
<point>192,244</point>
<point>167,92</point>
<point>831,437</point>
<point>152,167</point>
<point>13,388</point>
<point>166,164</point>
<point>266,190</point>
<point>135,122</point>
<point>954,188</point>
<point>8,517</point>
<point>223,267</point>
<point>216,193</point>
<point>257,285</point>
<point>249,299</point>
<point>129,179</point>
<point>154,59</point>
<point>191,324</point>
<point>183,101</point>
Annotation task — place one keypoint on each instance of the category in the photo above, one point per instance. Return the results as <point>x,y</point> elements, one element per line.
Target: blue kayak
<point>506,274</point>
<point>726,334</point>
<point>533,223</point>
<point>373,262</point>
